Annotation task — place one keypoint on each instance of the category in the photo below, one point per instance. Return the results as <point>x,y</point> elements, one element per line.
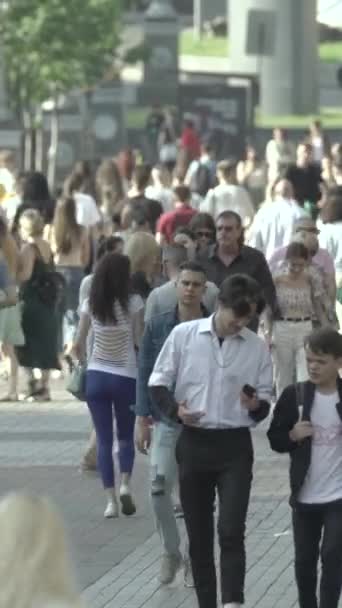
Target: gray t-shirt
<point>164,298</point>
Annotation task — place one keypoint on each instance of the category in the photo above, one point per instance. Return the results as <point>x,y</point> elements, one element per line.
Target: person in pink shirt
<point>306,227</point>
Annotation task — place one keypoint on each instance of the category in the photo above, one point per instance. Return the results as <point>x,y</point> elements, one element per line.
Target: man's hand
<point>188,418</point>
<point>142,434</point>
<point>249,403</point>
<point>301,430</point>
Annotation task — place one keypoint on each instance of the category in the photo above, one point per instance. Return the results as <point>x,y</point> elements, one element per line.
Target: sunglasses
<point>205,233</point>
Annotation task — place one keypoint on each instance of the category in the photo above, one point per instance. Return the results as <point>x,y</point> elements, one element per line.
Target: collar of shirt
<point>207,326</point>
<point>213,253</point>
<point>205,313</point>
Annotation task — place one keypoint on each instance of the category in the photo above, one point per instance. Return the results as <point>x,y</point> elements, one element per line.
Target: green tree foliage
<point>52,46</point>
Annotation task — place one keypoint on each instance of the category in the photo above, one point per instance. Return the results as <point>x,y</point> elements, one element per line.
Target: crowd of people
<point>174,291</point>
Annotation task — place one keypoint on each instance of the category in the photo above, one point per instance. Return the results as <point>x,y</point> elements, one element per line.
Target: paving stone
<point>118,561</point>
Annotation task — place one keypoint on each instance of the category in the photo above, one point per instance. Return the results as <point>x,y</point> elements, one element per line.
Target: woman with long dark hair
<point>116,320</point>
<point>71,249</point>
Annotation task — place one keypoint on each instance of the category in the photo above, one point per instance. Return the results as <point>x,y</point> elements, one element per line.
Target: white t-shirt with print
<point>323,482</point>
<point>113,348</point>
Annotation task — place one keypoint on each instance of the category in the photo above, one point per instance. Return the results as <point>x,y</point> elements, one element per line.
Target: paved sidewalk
<point>118,560</point>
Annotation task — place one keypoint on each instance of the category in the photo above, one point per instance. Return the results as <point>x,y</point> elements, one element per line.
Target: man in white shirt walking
<point>228,196</point>
<point>273,224</point>
<point>215,376</point>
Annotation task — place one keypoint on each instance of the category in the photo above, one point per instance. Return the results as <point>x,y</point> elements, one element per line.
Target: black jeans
<point>311,523</point>
<point>211,460</point>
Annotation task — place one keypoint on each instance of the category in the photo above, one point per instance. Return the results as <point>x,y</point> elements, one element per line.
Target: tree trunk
<point>28,140</point>
<point>53,149</point>
<point>39,151</point>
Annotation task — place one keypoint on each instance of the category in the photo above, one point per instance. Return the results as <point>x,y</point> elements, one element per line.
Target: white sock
<point>232,605</point>
<point>124,488</point>
<point>110,493</point>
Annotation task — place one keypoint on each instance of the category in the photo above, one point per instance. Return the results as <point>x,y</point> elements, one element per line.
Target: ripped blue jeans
<point>107,393</point>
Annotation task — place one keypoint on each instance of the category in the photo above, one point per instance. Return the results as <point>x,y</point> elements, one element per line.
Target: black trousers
<point>211,460</point>
<point>316,526</point>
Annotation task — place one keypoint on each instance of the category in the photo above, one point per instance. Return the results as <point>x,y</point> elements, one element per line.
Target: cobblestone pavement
<point>118,560</point>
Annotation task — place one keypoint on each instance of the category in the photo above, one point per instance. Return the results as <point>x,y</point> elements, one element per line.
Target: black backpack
<point>201,180</point>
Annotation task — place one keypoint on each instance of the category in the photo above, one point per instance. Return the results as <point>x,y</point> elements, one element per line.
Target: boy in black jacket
<point>307,423</point>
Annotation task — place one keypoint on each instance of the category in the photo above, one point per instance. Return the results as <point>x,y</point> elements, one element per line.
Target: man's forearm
<point>165,401</point>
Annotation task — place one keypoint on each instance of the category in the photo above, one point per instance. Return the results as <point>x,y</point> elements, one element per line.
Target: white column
<point>288,75</point>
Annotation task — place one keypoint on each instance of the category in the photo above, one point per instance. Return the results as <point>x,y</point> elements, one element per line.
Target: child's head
<point>323,349</point>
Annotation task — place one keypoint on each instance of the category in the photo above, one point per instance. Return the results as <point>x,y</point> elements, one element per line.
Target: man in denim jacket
<point>191,286</point>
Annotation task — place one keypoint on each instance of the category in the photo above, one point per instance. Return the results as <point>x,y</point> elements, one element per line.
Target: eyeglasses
<point>225,228</point>
<point>205,233</point>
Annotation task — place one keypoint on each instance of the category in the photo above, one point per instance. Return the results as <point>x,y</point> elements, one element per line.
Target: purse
<point>77,383</point>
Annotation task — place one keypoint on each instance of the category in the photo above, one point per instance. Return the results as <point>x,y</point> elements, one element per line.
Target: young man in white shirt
<point>228,196</point>
<point>307,423</point>
<point>215,376</point>
<point>274,222</point>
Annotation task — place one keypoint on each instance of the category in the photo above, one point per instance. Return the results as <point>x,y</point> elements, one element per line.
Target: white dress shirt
<point>273,225</point>
<point>210,377</point>
<point>330,238</point>
<point>229,197</point>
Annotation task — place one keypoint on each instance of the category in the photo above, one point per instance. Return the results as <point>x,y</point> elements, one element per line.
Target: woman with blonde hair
<point>39,293</point>
<point>70,246</point>
<point>145,257</point>
<point>35,567</point>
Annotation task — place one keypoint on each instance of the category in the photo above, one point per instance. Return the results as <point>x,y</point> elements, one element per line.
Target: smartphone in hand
<point>249,391</point>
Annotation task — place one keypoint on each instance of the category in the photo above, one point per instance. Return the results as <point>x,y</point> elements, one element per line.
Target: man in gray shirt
<point>164,298</point>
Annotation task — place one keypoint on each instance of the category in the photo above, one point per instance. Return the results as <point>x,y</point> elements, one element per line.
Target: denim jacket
<point>157,330</point>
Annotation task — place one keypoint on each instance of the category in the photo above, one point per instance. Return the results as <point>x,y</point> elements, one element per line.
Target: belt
<point>295,319</point>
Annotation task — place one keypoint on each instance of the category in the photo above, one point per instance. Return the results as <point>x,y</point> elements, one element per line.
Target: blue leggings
<point>103,390</point>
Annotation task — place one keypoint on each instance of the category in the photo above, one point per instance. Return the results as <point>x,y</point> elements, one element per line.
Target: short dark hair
<point>138,216</point>
<point>297,250</point>
<point>192,267</point>
<point>325,341</point>
<point>239,292</point>
<point>107,245</point>
<point>229,215</point>
<point>141,175</point>
<point>177,254</point>
<point>227,167</point>
<point>202,220</point>
<point>183,193</point>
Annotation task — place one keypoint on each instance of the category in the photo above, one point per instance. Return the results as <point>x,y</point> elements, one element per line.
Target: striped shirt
<point>113,346</point>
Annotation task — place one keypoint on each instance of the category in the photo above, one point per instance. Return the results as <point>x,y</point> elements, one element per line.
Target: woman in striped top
<point>116,319</point>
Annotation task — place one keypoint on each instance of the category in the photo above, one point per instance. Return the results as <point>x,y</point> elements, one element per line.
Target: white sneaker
<point>111,510</point>
<point>232,605</point>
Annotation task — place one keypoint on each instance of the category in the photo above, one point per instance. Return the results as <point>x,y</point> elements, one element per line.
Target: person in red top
<point>181,216</point>
<point>190,142</point>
